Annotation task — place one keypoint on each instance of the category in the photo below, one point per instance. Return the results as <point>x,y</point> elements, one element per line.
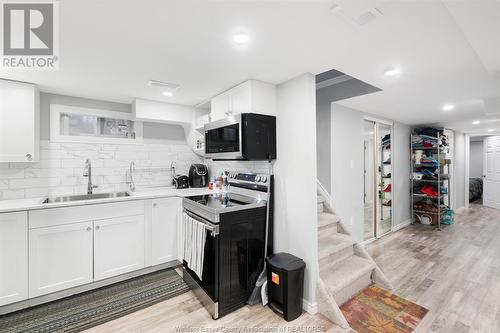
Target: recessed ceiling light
<point>241,38</point>
<point>490,130</point>
<point>476,122</point>
<point>448,107</point>
<point>392,71</point>
<point>168,93</point>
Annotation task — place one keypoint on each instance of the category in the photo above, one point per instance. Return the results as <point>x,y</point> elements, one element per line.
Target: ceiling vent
<point>167,85</point>
<point>360,13</point>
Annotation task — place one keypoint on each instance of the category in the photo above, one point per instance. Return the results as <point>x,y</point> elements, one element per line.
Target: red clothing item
<point>429,190</point>
<point>388,188</point>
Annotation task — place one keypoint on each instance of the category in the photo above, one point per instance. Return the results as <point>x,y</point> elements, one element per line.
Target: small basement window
<point>72,124</point>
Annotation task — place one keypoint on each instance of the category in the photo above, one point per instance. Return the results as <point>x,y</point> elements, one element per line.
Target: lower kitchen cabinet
<point>60,257</point>
<point>164,230</point>
<point>118,246</point>
<point>13,257</point>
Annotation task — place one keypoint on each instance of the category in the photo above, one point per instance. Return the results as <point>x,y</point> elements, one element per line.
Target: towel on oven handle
<point>195,236</point>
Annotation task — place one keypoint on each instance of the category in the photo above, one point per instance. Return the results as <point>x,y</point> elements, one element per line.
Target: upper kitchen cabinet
<point>251,96</point>
<point>19,122</point>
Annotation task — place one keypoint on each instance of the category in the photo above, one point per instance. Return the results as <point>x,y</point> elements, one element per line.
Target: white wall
<point>295,170</point>
<point>401,168</point>
<point>476,159</point>
<point>347,169</point>
<point>459,170</point>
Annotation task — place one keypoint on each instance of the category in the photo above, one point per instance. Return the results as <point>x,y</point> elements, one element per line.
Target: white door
<point>491,180</point>
<point>118,246</point>
<point>164,230</point>
<point>60,257</point>
<point>13,257</point>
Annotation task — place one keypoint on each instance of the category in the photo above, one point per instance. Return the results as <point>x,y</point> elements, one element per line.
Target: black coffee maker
<point>198,175</point>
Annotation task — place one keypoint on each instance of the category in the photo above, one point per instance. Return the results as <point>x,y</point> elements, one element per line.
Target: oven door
<point>206,289</point>
<point>223,139</point>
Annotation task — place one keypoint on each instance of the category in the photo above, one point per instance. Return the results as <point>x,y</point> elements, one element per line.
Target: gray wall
<point>347,169</point>
<point>476,159</point>
<point>152,131</point>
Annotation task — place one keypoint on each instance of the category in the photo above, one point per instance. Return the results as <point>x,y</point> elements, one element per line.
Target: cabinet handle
<point>97,227</point>
<point>89,228</point>
<point>29,157</point>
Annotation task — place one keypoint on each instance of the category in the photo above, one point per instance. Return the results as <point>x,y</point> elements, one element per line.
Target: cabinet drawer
<point>69,215</point>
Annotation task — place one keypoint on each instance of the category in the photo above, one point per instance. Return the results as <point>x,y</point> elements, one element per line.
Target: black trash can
<point>285,284</point>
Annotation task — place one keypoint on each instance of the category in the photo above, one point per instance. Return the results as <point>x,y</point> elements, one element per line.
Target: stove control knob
<point>264,179</point>
<point>257,178</point>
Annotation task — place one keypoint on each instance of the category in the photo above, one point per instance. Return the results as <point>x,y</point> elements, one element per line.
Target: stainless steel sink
<point>83,197</point>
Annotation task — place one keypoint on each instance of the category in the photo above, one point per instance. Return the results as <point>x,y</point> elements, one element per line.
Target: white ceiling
<point>448,52</point>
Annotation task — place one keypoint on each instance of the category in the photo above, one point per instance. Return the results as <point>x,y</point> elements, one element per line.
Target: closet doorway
<point>378,201</point>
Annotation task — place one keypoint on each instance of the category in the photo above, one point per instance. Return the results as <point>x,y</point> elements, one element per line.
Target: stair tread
<point>345,272</point>
<point>325,219</point>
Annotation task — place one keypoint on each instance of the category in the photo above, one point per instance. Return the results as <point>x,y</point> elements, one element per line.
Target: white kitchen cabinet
<point>19,122</point>
<point>164,229</point>
<point>220,106</point>
<point>118,246</point>
<point>60,257</point>
<point>13,257</point>
<point>250,96</point>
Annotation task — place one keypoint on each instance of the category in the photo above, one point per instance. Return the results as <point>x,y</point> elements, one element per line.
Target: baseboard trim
<point>311,308</point>
<point>402,225</point>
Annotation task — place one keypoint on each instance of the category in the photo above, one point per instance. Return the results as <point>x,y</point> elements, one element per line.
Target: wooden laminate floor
<point>455,273</point>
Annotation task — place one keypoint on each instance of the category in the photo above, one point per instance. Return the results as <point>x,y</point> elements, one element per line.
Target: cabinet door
<point>241,98</point>
<point>13,257</point>
<point>220,106</point>
<point>60,257</point>
<point>19,113</point>
<point>118,246</point>
<point>164,230</point>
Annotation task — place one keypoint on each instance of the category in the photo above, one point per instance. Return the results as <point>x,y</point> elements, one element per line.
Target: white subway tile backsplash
<point>60,170</point>
<point>12,194</point>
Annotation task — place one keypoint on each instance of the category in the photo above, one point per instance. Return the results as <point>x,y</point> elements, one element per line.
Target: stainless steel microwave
<point>245,136</point>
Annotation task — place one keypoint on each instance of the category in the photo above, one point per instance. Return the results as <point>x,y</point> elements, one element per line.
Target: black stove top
<point>221,200</point>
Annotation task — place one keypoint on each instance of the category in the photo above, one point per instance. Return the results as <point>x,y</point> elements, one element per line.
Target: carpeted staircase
<point>345,268</point>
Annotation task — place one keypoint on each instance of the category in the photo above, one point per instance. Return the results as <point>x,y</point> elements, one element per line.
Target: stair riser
<point>352,289</point>
<point>330,228</point>
<point>336,257</point>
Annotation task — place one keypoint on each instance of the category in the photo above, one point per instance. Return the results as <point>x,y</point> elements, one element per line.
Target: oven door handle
<point>213,228</point>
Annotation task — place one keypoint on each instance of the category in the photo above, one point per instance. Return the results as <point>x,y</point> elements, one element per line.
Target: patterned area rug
<point>378,310</point>
<point>82,311</point>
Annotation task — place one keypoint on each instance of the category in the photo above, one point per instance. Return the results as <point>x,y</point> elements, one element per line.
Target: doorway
<point>476,169</point>
<point>378,201</point>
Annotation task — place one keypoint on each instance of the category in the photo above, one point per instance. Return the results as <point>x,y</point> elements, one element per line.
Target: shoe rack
<point>430,178</point>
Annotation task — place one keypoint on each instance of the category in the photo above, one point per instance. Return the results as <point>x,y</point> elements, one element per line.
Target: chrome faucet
<point>131,176</point>
<point>87,172</point>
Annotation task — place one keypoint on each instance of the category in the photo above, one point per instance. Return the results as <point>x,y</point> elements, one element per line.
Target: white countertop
<point>143,194</point>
